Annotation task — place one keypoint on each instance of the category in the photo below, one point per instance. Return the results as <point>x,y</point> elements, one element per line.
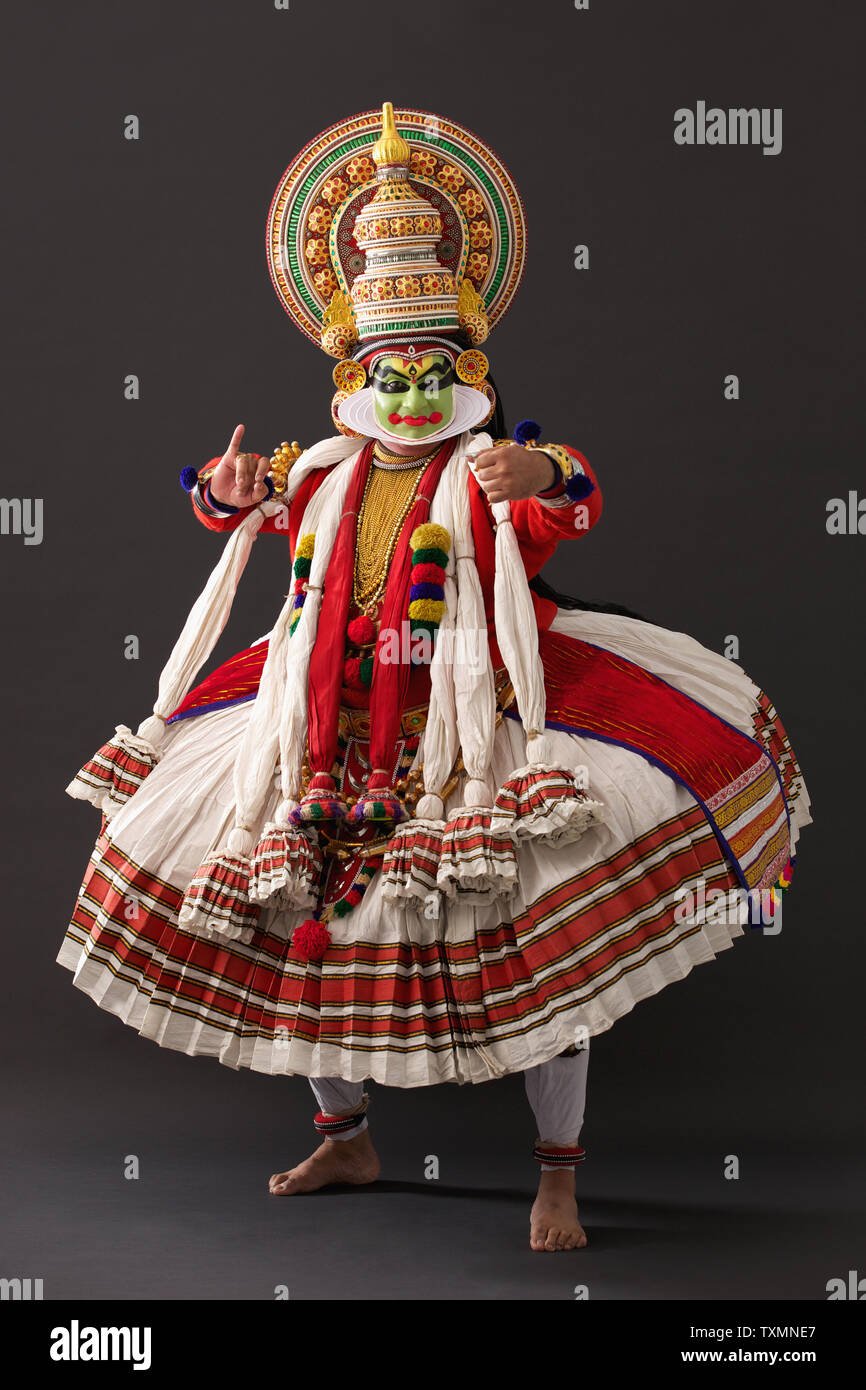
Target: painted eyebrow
<point>386,373</point>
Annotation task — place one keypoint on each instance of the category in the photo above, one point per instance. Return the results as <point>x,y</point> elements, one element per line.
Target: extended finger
<point>262,467</point>
<point>235,441</point>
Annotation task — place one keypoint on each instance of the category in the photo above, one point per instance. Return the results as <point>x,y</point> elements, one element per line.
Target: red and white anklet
<point>340,1126</point>
<point>552,1156</point>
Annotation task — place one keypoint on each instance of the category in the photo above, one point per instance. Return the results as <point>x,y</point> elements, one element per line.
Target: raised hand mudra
<point>238,479</point>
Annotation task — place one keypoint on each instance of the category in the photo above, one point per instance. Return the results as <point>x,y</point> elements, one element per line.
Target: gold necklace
<point>400,461</point>
<point>387,501</point>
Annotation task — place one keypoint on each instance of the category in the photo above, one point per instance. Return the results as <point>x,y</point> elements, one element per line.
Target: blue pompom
<point>579,487</point>
<point>526,430</point>
<point>188,478</point>
<point>434,591</point>
<point>271,487</point>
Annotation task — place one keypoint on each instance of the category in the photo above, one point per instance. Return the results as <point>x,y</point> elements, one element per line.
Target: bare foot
<point>553,1223</point>
<point>335,1160</point>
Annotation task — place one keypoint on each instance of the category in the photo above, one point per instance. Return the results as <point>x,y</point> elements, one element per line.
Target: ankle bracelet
<point>556,1156</point>
<point>342,1126</point>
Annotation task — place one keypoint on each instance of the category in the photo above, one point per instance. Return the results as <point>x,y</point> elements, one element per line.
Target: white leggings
<point>556,1091</point>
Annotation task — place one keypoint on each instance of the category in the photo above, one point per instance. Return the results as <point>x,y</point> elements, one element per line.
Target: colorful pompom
<point>311,939</point>
<point>579,486</point>
<point>305,546</point>
<point>358,673</point>
<point>428,574</point>
<point>420,591</point>
<point>374,806</point>
<point>352,674</point>
<point>430,536</point>
<point>430,555</point>
<point>321,801</point>
<point>527,430</point>
<point>430,609</point>
<point>361,631</point>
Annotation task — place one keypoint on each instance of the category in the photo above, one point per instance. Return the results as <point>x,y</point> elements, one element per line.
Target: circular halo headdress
<point>397,226</point>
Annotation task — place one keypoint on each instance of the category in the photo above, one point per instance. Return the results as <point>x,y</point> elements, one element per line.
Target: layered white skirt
<point>408,999</point>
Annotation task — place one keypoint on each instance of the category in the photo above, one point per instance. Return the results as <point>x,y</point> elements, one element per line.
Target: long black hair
<point>497,428</point>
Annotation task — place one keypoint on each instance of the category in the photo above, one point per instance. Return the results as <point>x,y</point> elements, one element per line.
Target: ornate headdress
<point>397,231</point>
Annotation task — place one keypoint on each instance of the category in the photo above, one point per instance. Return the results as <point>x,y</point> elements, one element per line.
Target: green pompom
<point>430,556</point>
<point>342,908</point>
<point>365,670</point>
<point>302,566</point>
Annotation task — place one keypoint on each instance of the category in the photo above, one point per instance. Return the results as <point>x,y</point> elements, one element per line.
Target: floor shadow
<point>429,1189</point>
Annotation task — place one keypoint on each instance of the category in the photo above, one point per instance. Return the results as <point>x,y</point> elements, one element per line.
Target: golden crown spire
<point>390,148</point>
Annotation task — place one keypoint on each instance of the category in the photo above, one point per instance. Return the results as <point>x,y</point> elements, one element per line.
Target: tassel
<point>379,802</point>
<point>411,861</point>
<point>114,772</point>
<point>311,940</point>
<point>382,806</point>
<point>217,901</point>
<point>478,862</point>
<point>285,864</point>
<point>540,801</point>
<point>321,801</point>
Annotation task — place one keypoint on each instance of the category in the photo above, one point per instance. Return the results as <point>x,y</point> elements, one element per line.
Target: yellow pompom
<point>429,536</point>
<point>305,546</point>
<point>430,609</point>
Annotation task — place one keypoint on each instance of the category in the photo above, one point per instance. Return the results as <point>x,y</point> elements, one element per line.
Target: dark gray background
<point>149,258</point>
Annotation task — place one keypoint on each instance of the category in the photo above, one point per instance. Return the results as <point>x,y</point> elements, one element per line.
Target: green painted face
<point>414,397</point>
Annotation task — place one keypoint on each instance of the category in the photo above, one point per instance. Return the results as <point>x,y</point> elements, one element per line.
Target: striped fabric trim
<point>217,899</point>
<point>411,861</point>
<point>534,791</point>
<point>113,774</point>
<point>476,862</point>
<point>544,802</point>
<point>285,865</point>
<point>406,1013</point>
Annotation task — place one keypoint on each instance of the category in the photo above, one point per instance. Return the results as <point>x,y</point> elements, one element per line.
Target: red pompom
<point>352,674</point>
<point>354,896</point>
<point>428,574</point>
<point>361,630</point>
<point>311,939</point>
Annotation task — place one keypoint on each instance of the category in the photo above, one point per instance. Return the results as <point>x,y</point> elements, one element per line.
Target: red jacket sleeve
<point>228,523</point>
<point>539,529</point>
<point>297,507</point>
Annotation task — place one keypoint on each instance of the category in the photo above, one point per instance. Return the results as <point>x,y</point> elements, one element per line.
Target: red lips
<point>433,419</point>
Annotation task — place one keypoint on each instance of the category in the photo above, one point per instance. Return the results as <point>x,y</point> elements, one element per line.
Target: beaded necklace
<point>388,499</point>
<point>383,458</point>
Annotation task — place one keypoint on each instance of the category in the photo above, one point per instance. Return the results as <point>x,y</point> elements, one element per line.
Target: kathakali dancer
<point>440,824</point>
